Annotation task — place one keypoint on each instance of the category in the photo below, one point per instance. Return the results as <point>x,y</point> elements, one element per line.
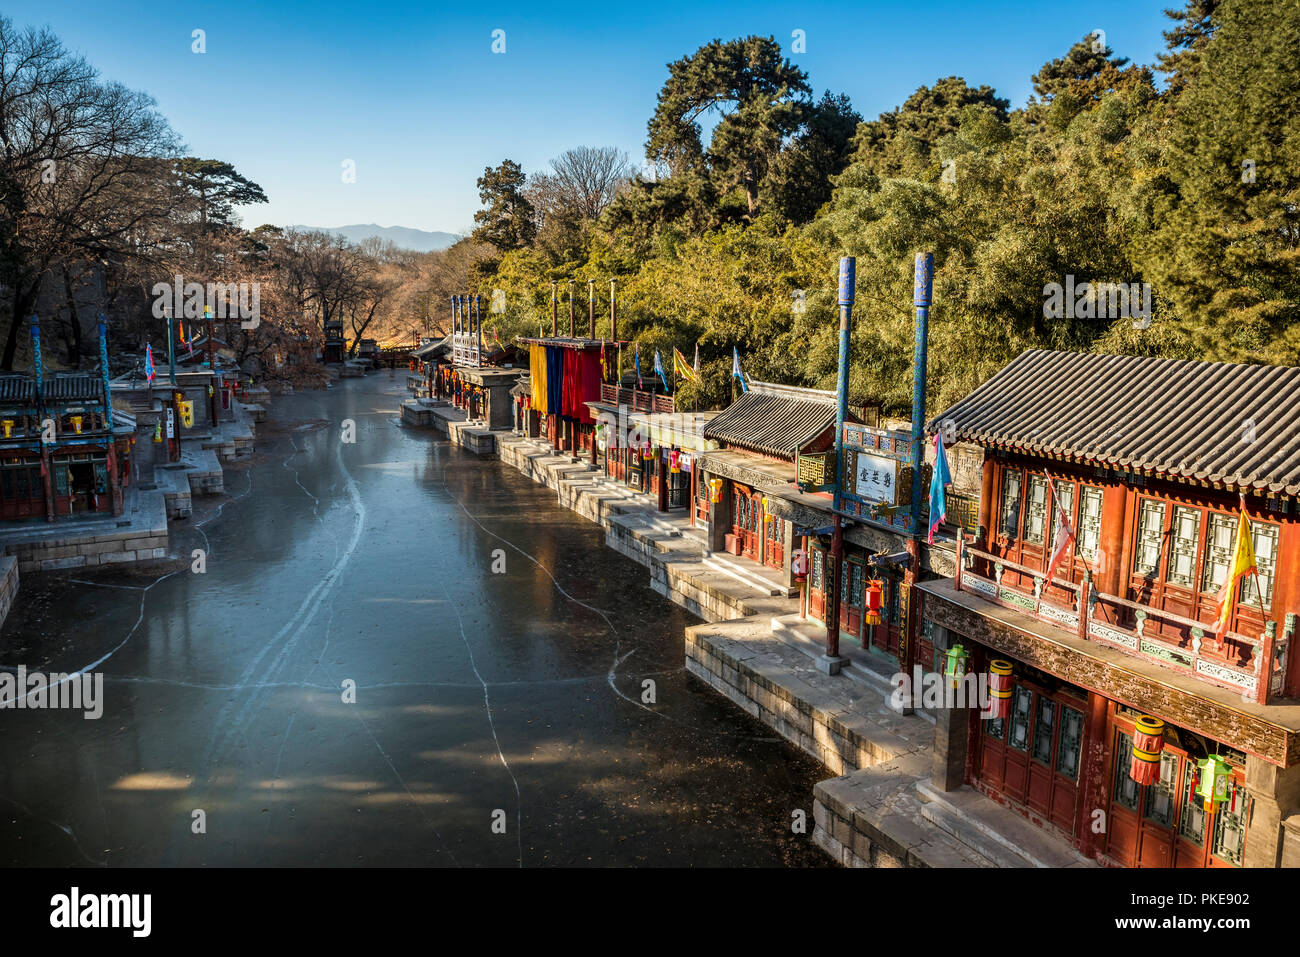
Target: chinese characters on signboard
<point>875,478</point>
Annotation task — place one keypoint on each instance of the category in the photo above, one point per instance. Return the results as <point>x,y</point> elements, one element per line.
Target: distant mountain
<point>419,240</point>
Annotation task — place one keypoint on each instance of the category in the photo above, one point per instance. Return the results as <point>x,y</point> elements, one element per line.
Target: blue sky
<point>414,95</point>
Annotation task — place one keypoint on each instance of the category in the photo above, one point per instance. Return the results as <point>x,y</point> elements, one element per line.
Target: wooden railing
<point>635,399</point>
<point>1095,616</point>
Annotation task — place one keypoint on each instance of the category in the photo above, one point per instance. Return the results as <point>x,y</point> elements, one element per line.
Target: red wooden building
<point>1148,459</point>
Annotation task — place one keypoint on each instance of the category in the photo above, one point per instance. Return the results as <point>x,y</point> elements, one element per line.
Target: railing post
<point>1085,600</point>
<point>1265,651</point>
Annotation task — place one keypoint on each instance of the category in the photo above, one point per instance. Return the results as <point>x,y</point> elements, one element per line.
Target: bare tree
<point>84,172</point>
<point>587,178</point>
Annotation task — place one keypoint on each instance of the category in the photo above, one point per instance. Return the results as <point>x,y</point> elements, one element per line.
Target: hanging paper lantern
<point>1000,683</point>
<point>956,664</point>
<point>76,424</point>
<point>1148,742</point>
<point>9,427</point>
<point>799,565</point>
<point>647,452</point>
<point>674,461</point>
<point>875,601</point>
<point>1215,776</point>
<point>715,491</point>
<point>157,431</point>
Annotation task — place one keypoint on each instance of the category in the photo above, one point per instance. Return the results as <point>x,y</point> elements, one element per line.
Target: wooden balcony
<point>634,399</point>
<point>1252,666</point>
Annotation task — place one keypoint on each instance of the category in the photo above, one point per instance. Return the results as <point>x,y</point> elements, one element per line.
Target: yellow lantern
<point>9,427</point>
<point>76,424</point>
<point>187,414</point>
<point>715,491</point>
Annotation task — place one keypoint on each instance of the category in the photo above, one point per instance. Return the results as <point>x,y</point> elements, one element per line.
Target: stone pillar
<point>951,733</point>
<point>1276,793</point>
<point>788,545</point>
<point>1291,842</point>
<point>719,515</point>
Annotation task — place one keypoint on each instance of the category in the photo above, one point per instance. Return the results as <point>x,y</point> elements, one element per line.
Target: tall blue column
<point>922,292</point>
<point>832,661</point>
<point>103,371</point>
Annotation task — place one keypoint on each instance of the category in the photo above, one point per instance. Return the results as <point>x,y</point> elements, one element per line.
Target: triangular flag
<point>1243,562</point>
<point>735,369</point>
<point>941,478</point>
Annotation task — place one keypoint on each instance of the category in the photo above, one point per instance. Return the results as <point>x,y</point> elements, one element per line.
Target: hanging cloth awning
<point>537,367</point>
<point>554,380</point>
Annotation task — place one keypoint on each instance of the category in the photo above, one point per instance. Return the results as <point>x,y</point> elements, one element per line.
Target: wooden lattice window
<point>1191,824</point>
<point>1126,790</point>
<point>1162,797</point>
<point>1010,503</point>
<point>1070,743</point>
<point>1044,724</point>
<point>1185,534</point>
<point>1220,539</point>
<point>1151,530</point>
<point>1088,537</point>
<point>1265,540</point>
<point>1229,842</point>
<point>1035,509</point>
<point>1018,732</point>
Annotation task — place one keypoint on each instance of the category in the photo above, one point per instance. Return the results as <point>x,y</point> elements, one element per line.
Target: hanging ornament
<point>1000,683</point>
<point>1148,742</point>
<point>956,664</point>
<point>875,601</point>
<point>1215,775</point>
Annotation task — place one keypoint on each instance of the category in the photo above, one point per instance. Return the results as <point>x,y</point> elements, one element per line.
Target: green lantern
<point>1215,775</point>
<point>956,664</point>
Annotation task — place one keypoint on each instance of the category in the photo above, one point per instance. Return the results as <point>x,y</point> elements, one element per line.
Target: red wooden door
<point>1033,756</point>
<point>852,593</point>
<point>1165,824</point>
<point>746,510</point>
<point>816,583</point>
<point>773,541</point>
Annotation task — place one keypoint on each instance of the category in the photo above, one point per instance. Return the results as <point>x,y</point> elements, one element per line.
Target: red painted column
<point>1094,778</point>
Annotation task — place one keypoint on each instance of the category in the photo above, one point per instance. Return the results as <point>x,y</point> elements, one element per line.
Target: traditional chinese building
<point>333,347</point>
<point>566,376</point>
<point>1147,461</point>
<point>60,454</point>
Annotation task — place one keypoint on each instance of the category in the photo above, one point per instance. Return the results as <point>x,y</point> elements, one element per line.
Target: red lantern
<point>999,688</point>
<point>1148,742</point>
<point>875,595</point>
<point>674,461</point>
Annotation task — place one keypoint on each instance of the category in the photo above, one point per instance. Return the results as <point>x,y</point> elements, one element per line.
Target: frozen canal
<point>498,715</point>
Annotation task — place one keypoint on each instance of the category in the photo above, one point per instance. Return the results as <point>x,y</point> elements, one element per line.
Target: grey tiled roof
<point>772,422</point>
<point>61,387</point>
<point>1217,422</point>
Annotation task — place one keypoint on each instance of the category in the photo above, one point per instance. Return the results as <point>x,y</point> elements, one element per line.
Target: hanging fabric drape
<point>537,377</point>
<point>555,380</point>
<point>589,385</point>
<point>573,408</point>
